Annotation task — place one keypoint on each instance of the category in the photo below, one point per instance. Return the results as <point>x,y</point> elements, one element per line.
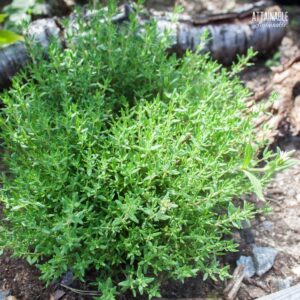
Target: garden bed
<point>279,230</point>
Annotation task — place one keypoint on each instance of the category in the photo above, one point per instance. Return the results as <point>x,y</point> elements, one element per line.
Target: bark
<point>240,12</point>
<point>230,33</point>
<point>226,40</point>
<point>229,36</point>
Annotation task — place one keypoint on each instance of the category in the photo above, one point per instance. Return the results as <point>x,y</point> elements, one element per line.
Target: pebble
<point>67,278</point>
<point>247,261</point>
<point>277,209</point>
<point>291,193</point>
<point>267,225</point>
<point>263,258</point>
<point>4,294</point>
<point>282,284</point>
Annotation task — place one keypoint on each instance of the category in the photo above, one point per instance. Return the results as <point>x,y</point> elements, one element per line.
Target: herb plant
<point>125,160</point>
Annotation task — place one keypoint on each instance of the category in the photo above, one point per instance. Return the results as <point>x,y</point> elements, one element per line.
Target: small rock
<point>262,218</point>
<point>11,298</point>
<point>277,209</point>
<point>58,294</point>
<point>67,278</point>
<point>247,261</point>
<point>255,292</point>
<point>267,225</point>
<point>263,258</point>
<point>282,284</point>
<point>291,193</point>
<point>242,293</point>
<point>4,294</point>
<point>296,271</point>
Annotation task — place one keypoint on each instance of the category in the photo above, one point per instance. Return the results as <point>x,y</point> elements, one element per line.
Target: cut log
<point>238,13</point>
<point>230,33</point>
<point>226,41</point>
<point>227,37</point>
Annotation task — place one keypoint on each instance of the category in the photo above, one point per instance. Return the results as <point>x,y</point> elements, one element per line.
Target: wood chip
<point>58,294</point>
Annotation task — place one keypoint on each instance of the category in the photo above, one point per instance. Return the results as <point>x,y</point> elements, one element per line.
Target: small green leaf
<point>125,283</point>
<point>155,147</point>
<point>248,156</point>
<point>8,37</point>
<point>31,260</point>
<point>133,218</point>
<point>231,209</point>
<point>2,17</point>
<point>256,185</point>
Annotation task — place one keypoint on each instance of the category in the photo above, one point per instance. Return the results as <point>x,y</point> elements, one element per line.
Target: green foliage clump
<point>125,160</point>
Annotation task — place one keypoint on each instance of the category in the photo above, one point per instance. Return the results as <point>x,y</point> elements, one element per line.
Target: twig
<point>81,292</point>
<point>259,96</point>
<point>258,284</point>
<point>287,65</point>
<point>234,284</point>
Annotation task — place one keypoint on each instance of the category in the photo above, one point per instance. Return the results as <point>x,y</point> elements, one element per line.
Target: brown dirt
<point>281,230</point>
<point>21,279</point>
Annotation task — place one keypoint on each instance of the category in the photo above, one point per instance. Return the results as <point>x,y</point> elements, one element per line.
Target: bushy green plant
<point>125,160</point>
